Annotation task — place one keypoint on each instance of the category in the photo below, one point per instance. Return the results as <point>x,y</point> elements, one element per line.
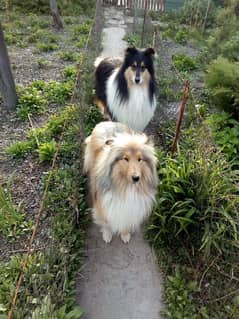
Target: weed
<point>81,42</point>
<point>183,62</point>
<point>70,73</point>
<point>57,92</point>
<point>223,82</point>
<point>179,297</point>
<point>133,39</point>
<point>20,149</point>
<point>30,102</point>
<point>68,56</point>
<point>197,202</point>
<point>46,151</point>
<point>181,36</point>
<point>226,133</point>
<point>42,63</point>
<point>46,47</point>
<point>81,30</point>
<point>12,222</point>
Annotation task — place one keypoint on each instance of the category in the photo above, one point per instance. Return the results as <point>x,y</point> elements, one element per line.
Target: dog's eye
<point>125,159</point>
<point>142,68</point>
<point>140,159</point>
<point>133,67</point>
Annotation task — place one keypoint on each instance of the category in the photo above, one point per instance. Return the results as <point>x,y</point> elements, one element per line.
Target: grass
<point>48,288</point>
<point>12,218</point>
<point>36,98</point>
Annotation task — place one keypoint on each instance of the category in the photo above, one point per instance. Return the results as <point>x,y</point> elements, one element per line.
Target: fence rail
<point>153,5</point>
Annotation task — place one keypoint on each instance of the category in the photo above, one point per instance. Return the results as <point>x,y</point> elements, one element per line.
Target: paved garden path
<point>119,281</point>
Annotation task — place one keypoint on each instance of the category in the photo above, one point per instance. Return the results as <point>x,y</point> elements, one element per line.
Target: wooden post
<point>145,14</point>
<point>180,115</point>
<point>7,84</point>
<point>55,14</point>
<point>205,20</point>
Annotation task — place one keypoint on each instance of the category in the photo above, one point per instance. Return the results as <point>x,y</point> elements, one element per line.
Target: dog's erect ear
<point>149,51</point>
<point>109,142</point>
<point>130,50</point>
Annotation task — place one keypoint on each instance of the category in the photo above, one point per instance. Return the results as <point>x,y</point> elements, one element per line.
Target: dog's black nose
<point>137,79</point>
<point>135,178</point>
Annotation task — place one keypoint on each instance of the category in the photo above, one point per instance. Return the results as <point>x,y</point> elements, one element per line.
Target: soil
<point>28,172</point>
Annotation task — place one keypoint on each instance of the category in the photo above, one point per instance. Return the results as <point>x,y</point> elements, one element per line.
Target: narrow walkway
<point>119,281</point>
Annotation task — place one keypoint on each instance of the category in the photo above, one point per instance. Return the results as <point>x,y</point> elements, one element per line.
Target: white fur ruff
<point>136,111</point>
<point>127,213</point>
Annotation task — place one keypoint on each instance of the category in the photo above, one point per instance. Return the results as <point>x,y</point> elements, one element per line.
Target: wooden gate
<point>153,5</point>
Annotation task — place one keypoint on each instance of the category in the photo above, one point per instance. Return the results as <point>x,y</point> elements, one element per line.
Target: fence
<point>153,5</point>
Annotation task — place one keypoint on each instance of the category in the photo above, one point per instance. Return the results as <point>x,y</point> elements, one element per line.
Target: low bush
<point>225,130</point>
<point>12,218</point>
<point>223,82</point>
<point>183,62</point>
<point>31,102</point>
<point>197,203</point>
<point>35,98</point>
<point>46,47</point>
<point>193,13</point>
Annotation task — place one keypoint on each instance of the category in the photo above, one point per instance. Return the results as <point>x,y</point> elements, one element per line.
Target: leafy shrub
<point>30,102</point>
<point>68,56</point>
<point>12,223</point>
<point>223,39</point>
<point>46,47</point>
<point>81,42</point>
<point>230,49</point>
<point>223,81</point>
<point>179,297</point>
<point>70,73</point>
<point>46,151</point>
<point>43,36</point>
<point>193,13</point>
<point>20,149</point>
<point>133,39</point>
<point>197,203</point>
<point>57,92</point>
<point>226,133</point>
<point>183,62</point>
<point>181,36</point>
<point>42,63</point>
<point>82,29</point>
<point>71,7</point>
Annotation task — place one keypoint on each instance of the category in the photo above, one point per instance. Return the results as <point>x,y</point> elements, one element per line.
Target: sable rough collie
<point>125,90</point>
<point>121,166</point>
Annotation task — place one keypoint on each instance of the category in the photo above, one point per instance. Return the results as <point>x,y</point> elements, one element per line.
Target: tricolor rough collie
<point>125,90</point>
<point>121,166</point>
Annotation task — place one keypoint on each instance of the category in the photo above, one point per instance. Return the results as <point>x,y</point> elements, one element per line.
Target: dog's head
<point>130,162</point>
<point>138,65</point>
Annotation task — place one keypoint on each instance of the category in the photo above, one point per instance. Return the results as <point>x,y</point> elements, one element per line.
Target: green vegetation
<point>68,56</point>
<point>194,226</point>
<point>184,63</point>
<point>48,288</point>
<point>46,47</point>
<point>35,98</point>
<point>12,221</point>
<point>223,82</point>
<point>225,130</point>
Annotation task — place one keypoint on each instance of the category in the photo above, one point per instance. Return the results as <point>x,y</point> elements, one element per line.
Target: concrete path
<point>119,281</point>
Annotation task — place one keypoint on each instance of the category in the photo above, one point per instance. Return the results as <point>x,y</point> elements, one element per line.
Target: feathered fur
<point>121,166</point>
<point>125,89</point>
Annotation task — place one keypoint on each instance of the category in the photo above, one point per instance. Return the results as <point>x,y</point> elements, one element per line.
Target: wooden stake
<point>145,14</point>
<point>180,115</point>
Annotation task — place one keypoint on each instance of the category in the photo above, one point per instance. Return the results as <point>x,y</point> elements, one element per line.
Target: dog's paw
<point>107,235</point>
<point>125,237</point>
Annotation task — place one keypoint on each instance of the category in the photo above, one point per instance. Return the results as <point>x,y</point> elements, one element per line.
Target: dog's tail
<point>98,60</point>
